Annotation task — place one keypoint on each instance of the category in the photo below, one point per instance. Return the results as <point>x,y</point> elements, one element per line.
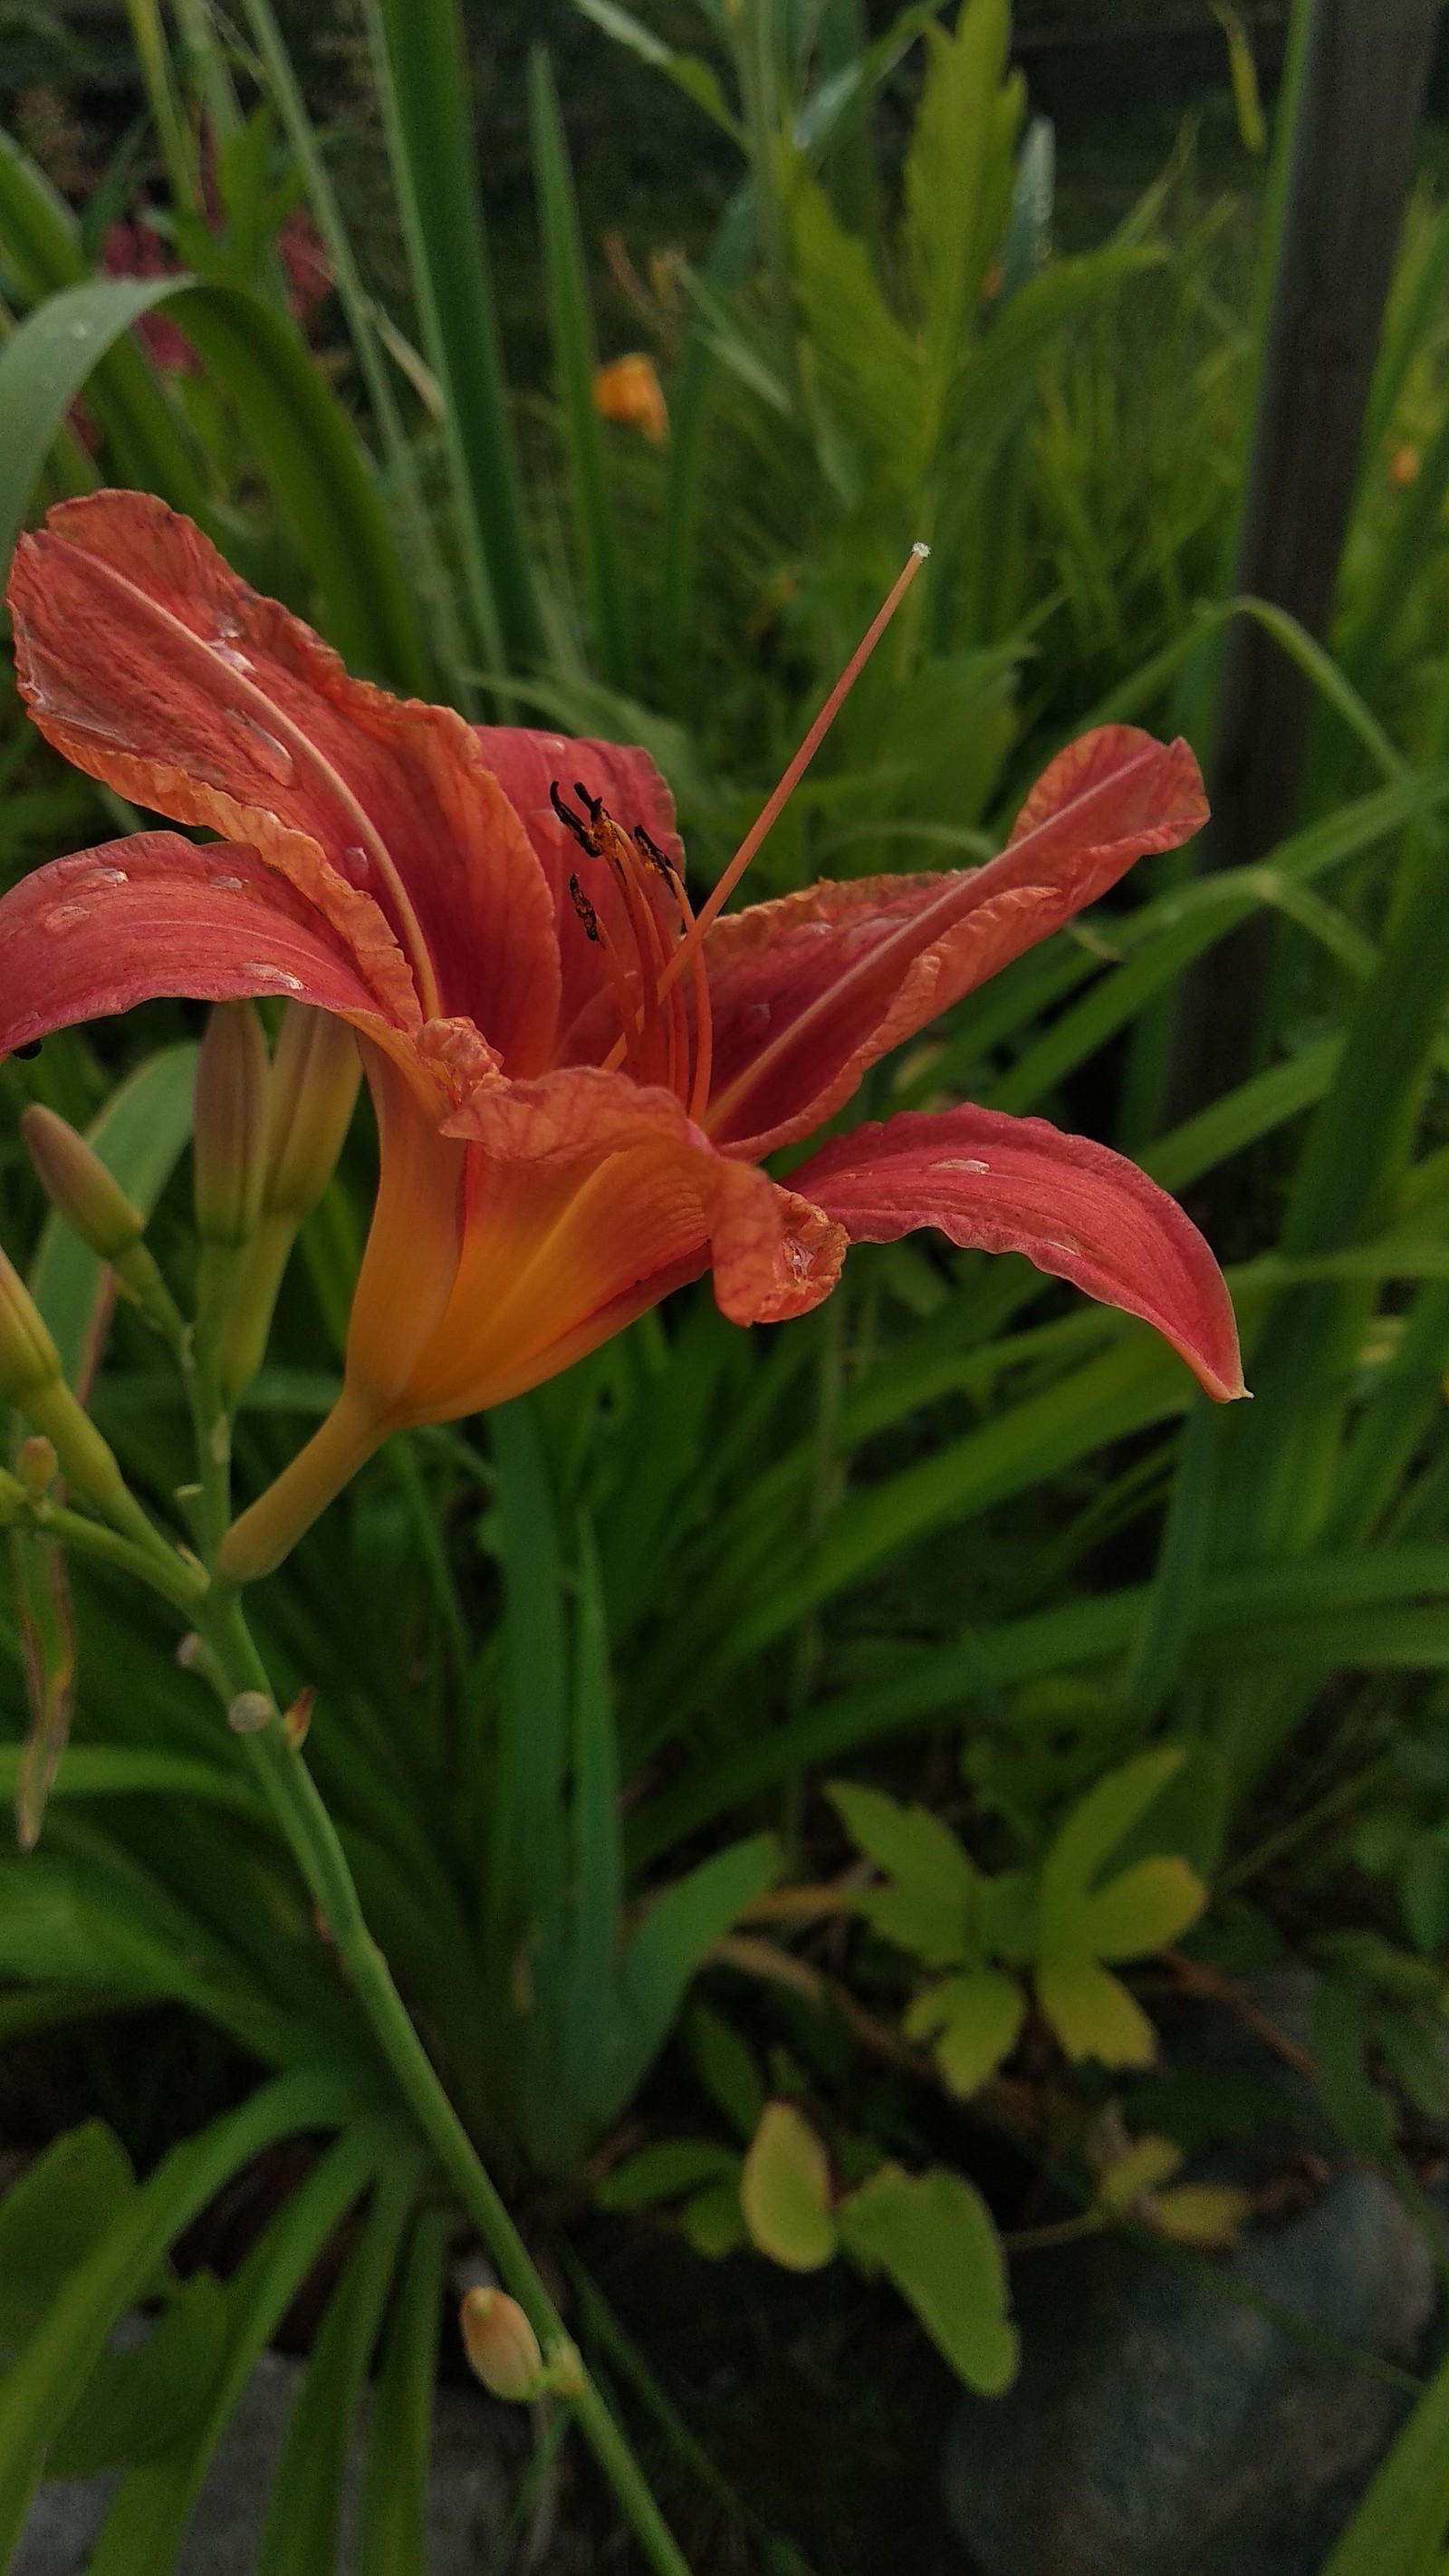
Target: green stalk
<point>157,1564</point>
<point>441,615</point>
<point>317,1850</point>
<point>206,67</point>
<point>571,329</point>
<point>754,31</point>
<point>175,143</point>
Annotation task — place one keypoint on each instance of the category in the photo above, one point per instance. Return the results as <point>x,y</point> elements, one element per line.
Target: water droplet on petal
<point>958,1163</point>
<point>234,660</point>
<point>272,757</point>
<point>357,863</point>
<point>64,916</point>
<point>274,974</point>
<point>225,885</point>
<point>99,877</point>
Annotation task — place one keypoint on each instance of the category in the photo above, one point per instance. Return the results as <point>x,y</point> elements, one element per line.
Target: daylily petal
<point>410,1259</point>
<point>131,920</point>
<point>582,1188</point>
<point>148,663</point>
<point>808,991</point>
<point>524,763</point>
<point>1073,1207</point>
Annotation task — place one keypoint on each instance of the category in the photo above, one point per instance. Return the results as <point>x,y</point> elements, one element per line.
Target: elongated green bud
<point>31,1379</point>
<point>315,1074</point>
<point>231,1126</point>
<point>83,1193</point>
<point>29,1360</point>
<point>90,1200</point>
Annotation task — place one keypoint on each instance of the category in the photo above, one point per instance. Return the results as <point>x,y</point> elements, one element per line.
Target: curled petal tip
<point>1073,1207</point>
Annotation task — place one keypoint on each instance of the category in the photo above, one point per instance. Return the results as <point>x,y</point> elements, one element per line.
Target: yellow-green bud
<point>37,1465</point>
<point>249,1712</point>
<point>29,1359</point>
<point>314,1079</point>
<point>31,1378</point>
<point>79,1187</point>
<point>231,1125</point>
<point>501,2346</point>
<point>315,1074</point>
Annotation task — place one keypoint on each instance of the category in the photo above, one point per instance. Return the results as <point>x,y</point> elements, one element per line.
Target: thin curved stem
<point>159,1566</point>
<point>313,1840</point>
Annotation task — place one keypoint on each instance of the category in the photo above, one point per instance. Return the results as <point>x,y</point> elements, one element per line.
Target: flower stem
<point>153,1563</point>
<point>313,1840</point>
<point>262,1535</point>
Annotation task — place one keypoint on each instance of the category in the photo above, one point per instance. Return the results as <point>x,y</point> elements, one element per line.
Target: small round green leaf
<point>785,2191</point>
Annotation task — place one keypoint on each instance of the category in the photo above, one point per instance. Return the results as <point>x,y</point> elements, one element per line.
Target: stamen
<point>595,930</point>
<point>699,980</point>
<point>585,910</point>
<point>571,821</point>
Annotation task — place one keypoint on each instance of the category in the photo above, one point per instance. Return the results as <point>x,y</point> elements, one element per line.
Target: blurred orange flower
<point>628,390</point>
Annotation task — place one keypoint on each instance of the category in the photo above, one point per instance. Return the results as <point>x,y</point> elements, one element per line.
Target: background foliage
<point>1109,1675</point>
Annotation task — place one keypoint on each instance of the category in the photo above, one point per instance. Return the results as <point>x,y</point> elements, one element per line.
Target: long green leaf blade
<point>571,330</point>
<point>421,66</point>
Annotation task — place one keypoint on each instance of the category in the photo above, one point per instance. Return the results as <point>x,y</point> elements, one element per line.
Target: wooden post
<point>1365,66</point>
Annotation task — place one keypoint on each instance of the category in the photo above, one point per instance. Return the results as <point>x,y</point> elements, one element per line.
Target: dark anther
<point>595,804</point>
<point>651,851</point>
<point>28,1053</point>
<point>585,910</point>
<point>571,821</point>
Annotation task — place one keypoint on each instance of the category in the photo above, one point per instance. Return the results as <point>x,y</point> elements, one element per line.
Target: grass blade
<point>146,2525</point>
<point>421,67</point>
<point>46,2377</point>
<point>391,2539</point>
<point>300,2534</point>
<point>572,333</point>
<point>441,618</point>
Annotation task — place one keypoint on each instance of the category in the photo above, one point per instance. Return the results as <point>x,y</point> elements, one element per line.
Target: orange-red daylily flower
<point>575,1083</point>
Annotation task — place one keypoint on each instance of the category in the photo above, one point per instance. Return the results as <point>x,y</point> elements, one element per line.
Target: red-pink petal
<point>525,763</point>
<point>149,664</point>
<point>809,991</point>
<point>772,1252</point>
<point>132,920</point>
<point>1074,1208</point>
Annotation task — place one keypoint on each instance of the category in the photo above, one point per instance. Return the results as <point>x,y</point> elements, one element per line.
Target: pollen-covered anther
<point>588,918</point>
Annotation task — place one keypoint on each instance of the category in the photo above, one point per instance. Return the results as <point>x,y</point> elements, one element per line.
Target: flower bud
<point>501,2346</point>
<point>628,390</point>
<point>31,1378</point>
<point>249,1712</point>
<point>231,1125</point>
<point>29,1360</point>
<point>315,1074</point>
<point>37,1466</point>
<point>314,1079</point>
<point>79,1187</point>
